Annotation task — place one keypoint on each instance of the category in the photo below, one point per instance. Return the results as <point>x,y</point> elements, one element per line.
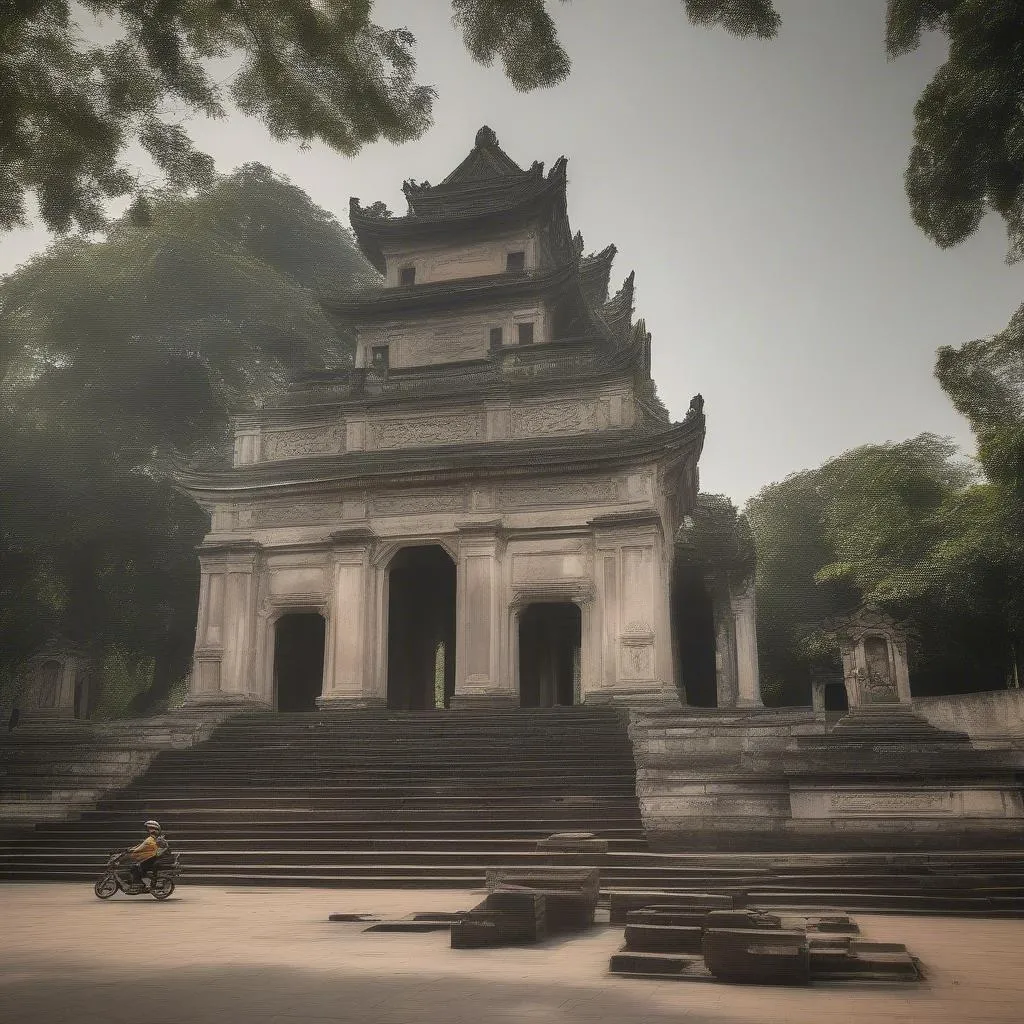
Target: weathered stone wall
<point>991,715</point>
<point>52,771</point>
<point>448,262</point>
<point>772,779</point>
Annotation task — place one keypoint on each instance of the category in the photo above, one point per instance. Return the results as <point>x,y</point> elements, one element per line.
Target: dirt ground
<point>270,956</point>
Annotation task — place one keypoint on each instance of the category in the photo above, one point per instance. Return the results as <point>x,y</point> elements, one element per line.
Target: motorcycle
<point>117,876</point>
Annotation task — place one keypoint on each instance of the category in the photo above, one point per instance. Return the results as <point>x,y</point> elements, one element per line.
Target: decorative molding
<point>299,442</point>
<point>531,591</point>
<point>418,431</point>
<point>292,514</point>
<point>576,416</point>
<point>566,491</point>
<point>402,503</point>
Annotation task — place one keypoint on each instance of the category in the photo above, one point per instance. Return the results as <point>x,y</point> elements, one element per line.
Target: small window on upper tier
<point>525,334</point>
<point>515,262</point>
<point>496,337</point>
<point>379,357</point>
<point>407,275</point>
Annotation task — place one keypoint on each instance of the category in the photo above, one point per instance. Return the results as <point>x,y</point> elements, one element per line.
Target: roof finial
<point>486,137</point>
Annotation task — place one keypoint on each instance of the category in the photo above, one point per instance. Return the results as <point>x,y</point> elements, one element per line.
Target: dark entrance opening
<point>835,698</point>
<point>694,620</point>
<point>550,638</point>
<point>299,660</point>
<point>421,629</point>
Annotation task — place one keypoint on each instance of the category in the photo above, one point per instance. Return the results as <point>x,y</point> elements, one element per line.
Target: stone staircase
<point>52,770</point>
<point>382,799</point>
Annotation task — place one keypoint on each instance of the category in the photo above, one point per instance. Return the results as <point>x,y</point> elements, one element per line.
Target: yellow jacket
<point>149,847</point>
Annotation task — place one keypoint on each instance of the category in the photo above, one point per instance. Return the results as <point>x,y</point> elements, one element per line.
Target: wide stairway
<point>366,798</point>
<point>386,799</point>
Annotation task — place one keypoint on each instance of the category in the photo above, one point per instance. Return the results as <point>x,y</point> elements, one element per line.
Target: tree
<point>906,528</point>
<point>985,380</point>
<point>124,356</point>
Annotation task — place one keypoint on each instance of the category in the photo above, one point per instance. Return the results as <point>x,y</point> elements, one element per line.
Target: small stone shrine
<point>480,513</point>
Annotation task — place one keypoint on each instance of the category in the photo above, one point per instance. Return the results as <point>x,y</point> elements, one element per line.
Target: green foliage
<point>906,528</point>
<point>520,32</point>
<point>985,380</point>
<point>71,105</point>
<point>121,358</point>
<point>740,17</point>
<point>124,676</point>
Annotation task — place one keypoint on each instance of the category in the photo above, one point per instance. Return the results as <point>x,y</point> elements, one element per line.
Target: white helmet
<point>153,824</point>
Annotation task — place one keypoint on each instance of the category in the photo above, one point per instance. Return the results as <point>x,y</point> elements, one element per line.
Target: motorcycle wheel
<point>105,887</point>
<point>161,888</point>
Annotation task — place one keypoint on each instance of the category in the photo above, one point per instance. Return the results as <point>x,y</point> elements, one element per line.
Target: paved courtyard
<point>271,957</point>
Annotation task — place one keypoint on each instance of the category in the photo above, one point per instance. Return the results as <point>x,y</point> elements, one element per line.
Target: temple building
<point>483,510</point>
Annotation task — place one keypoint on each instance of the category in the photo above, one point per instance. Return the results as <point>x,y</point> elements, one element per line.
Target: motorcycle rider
<point>144,856</point>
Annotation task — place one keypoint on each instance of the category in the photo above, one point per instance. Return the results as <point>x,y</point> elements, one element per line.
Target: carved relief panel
<point>577,416</point>
<point>419,431</point>
<point>301,442</point>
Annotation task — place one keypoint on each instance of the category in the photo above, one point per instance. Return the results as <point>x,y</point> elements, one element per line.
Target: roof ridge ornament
<point>486,137</point>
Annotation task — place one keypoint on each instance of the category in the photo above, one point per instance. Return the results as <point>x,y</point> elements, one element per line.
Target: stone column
<point>225,654</point>
<point>480,634</point>
<point>348,676</point>
<point>748,680</point>
<point>632,611</point>
<point>726,674</point>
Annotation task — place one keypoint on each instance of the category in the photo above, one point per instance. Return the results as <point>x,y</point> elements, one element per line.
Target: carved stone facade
<point>500,416</point>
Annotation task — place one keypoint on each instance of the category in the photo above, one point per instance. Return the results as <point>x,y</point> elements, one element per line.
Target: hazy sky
<point>755,187</point>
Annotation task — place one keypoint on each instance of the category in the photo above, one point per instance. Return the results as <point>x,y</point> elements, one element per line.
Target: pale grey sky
<point>755,187</point>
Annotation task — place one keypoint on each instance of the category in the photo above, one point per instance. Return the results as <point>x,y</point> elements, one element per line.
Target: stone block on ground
<point>473,933</point>
<point>769,956</point>
<point>844,959</point>
<point>666,965</point>
<point>745,918</point>
<point>671,918</point>
<point>579,879</point>
<point>409,925</point>
<point>621,902</point>
<point>521,914</point>
<point>656,938</point>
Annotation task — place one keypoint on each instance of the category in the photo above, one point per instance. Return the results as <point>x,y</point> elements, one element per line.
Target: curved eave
<point>441,294</point>
<point>498,459</point>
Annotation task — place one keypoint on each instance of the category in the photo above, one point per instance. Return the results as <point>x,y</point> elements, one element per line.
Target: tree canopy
<point>80,84</point>
<point>908,528</point>
<point>124,355</point>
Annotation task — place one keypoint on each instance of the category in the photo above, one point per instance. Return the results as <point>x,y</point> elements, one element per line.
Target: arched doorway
<point>421,628</point>
<point>550,640</point>
<point>694,621</point>
<point>299,660</point>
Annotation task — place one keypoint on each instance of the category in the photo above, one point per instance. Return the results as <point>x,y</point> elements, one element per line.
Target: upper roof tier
<point>488,189</point>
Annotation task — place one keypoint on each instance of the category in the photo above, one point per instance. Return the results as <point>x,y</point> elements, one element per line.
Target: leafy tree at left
<point>119,359</point>
<point>81,82</point>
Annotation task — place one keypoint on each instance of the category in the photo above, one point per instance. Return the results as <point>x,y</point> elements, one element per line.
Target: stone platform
<point>883,778</point>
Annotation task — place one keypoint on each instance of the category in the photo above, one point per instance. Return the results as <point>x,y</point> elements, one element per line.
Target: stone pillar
<point>632,611</point>
<point>348,670</point>
<point>480,633</point>
<point>726,672</point>
<point>224,666</point>
<point>748,680</point>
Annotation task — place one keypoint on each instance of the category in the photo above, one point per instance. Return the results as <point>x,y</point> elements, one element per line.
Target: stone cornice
<point>480,460</point>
